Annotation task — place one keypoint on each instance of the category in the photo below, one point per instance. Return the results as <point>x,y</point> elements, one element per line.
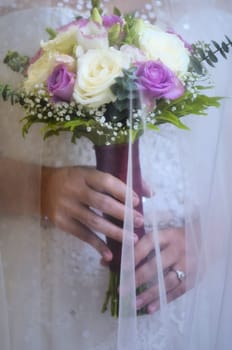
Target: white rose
<point>166,47</point>
<point>64,42</point>
<point>97,70</point>
<point>39,71</point>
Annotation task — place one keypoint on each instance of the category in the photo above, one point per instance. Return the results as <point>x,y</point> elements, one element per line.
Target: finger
<point>172,295</point>
<point>108,183</point>
<point>147,191</point>
<point>95,222</point>
<point>146,245</point>
<point>146,273</point>
<point>110,206</point>
<point>83,233</point>
<point>172,236</point>
<point>152,293</point>
<point>143,248</point>
<point>104,263</point>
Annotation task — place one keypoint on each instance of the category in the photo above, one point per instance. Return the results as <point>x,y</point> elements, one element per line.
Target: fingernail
<point>136,238</point>
<point>135,199</point>
<point>139,221</point>
<point>107,255</point>
<point>152,309</point>
<point>139,303</point>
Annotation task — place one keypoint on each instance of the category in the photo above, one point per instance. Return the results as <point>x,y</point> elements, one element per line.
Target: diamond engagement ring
<point>180,275</point>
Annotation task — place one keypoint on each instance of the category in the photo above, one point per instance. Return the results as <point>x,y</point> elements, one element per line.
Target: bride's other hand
<point>173,256</point>
<point>69,195</point>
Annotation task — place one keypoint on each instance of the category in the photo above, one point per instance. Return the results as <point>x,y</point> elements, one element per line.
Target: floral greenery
<point>94,123</point>
<point>51,32</point>
<point>208,53</point>
<point>18,63</point>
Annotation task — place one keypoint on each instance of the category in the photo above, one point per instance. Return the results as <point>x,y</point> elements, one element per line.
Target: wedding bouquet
<point>107,77</point>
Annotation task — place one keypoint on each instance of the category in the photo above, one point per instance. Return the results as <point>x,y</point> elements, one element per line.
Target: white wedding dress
<point>51,284</point>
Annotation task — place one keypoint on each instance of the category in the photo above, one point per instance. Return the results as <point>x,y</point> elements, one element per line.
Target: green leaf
<point>114,34</point>
<point>96,15</point>
<point>195,65</point>
<point>209,62</point>
<point>225,47</point>
<point>151,126</point>
<point>51,32</point>
<point>218,47</point>
<point>18,63</point>
<point>117,12</point>
<point>208,55</point>
<point>201,52</point>
<point>228,39</point>
<point>6,92</point>
<point>169,117</point>
<point>212,56</point>
<point>72,125</point>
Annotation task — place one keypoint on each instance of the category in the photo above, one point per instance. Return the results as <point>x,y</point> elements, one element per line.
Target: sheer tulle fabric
<point>52,285</point>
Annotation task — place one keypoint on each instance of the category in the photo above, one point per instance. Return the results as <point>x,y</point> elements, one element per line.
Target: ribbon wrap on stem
<point>113,159</point>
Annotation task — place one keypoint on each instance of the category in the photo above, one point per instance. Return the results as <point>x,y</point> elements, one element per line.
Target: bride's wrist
<point>46,173</point>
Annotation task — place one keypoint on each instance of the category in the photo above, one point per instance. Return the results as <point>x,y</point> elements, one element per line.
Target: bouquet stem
<point>113,159</point>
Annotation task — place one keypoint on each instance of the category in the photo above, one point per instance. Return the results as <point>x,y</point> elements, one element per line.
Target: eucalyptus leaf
<point>225,47</point>
<point>212,56</point>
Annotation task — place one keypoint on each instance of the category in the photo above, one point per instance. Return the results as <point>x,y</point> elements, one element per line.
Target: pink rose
<point>155,81</point>
<point>61,84</point>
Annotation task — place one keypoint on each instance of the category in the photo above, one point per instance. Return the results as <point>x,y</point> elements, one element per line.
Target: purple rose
<point>110,20</point>
<point>155,81</point>
<point>61,84</point>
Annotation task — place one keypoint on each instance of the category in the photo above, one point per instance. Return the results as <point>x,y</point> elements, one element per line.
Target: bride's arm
<point>19,187</point>
<point>67,196</point>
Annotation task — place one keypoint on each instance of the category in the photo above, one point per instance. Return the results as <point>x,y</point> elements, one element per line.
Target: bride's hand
<point>173,256</point>
<point>68,195</point>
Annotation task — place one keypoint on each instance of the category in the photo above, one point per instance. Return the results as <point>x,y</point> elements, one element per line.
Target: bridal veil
<point>51,286</point>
